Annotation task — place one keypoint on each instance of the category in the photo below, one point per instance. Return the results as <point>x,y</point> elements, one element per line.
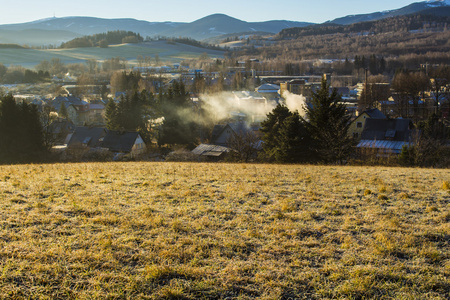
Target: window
<point>355,135</point>
<point>358,124</point>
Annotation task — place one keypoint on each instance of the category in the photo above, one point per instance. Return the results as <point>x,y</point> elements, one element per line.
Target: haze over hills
<point>210,26</point>
<point>54,31</point>
<point>220,24</point>
<point>90,25</point>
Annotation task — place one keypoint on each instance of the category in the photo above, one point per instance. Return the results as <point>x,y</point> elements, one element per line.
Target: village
<point>382,119</point>
<point>225,151</point>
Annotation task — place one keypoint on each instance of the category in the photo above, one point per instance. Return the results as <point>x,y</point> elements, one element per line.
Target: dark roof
<point>210,150</point>
<point>341,90</point>
<point>117,141</point>
<point>391,146</point>
<point>387,129</point>
<point>96,106</point>
<point>238,128</point>
<point>67,101</point>
<point>217,130</point>
<point>61,126</point>
<point>375,113</point>
<point>88,136</point>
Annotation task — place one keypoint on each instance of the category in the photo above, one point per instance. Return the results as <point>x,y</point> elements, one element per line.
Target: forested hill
<point>409,23</point>
<point>10,46</point>
<point>104,39</point>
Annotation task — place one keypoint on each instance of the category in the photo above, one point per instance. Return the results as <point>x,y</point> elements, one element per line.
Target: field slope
<point>223,231</point>
<point>167,52</point>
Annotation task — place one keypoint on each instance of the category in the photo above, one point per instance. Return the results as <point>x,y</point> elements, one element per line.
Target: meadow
<point>168,52</point>
<point>145,230</point>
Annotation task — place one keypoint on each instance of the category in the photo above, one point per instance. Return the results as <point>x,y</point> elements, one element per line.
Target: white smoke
<point>220,106</point>
<point>295,102</point>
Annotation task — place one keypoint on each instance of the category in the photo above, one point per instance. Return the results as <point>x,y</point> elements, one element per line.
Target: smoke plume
<point>295,102</point>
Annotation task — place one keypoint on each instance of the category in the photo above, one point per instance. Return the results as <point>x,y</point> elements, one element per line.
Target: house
<point>77,109</point>
<point>357,125</point>
<point>387,136</point>
<point>96,114</point>
<point>129,142</point>
<point>60,129</point>
<point>221,134</point>
<point>252,104</point>
<point>300,87</point>
<point>86,138</point>
<point>211,152</point>
<point>269,90</point>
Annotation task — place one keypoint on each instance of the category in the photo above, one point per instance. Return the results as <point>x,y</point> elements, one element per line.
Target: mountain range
<point>425,7</point>
<point>54,31</point>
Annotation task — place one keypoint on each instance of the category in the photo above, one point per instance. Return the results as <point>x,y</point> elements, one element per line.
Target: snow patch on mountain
<point>438,3</point>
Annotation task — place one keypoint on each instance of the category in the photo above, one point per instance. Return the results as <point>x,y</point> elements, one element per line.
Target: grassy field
<point>223,231</point>
<point>167,52</point>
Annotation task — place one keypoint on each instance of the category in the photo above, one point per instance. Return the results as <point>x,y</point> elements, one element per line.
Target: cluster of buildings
<point>379,129</point>
<point>82,123</point>
<point>78,130</point>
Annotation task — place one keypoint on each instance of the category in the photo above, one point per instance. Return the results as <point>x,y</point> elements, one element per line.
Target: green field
<point>223,231</point>
<point>168,52</point>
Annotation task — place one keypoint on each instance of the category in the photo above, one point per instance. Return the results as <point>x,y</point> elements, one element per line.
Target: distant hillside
<point>220,24</point>
<point>428,7</point>
<point>35,37</point>
<point>90,25</point>
<point>74,27</point>
<point>10,46</point>
<point>104,39</point>
<point>409,23</point>
<point>392,37</point>
<point>54,31</point>
<point>168,51</point>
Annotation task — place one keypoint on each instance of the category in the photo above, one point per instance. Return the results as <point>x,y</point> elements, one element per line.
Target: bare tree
<point>408,87</point>
<point>376,89</point>
<point>440,78</point>
<point>244,145</point>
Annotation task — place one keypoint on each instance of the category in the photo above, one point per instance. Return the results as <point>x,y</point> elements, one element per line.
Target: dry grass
<point>223,231</point>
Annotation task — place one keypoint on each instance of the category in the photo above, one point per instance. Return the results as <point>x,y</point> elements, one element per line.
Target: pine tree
<point>328,123</point>
<point>9,129</point>
<point>293,141</point>
<point>178,126</point>
<point>285,137</point>
<point>271,128</point>
<point>21,133</point>
<point>63,112</point>
<point>111,115</point>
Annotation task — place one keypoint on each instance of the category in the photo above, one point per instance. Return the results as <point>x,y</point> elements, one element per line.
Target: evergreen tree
<point>373,64</point>
<point>293,141</point>
<point>131,113</point>
<point>285,137</point>
<point>63,112</point>
<point>21,133</point>
<point>9,128</point>
<point>178,126</point>
<point>271,128</point>
<point>111,115</point>
<point>328,123</point>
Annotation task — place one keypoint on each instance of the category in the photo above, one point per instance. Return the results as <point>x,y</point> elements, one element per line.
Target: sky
<point>315,11</point>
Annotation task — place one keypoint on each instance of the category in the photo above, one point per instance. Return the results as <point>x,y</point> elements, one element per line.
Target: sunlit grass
<point>217,231</point>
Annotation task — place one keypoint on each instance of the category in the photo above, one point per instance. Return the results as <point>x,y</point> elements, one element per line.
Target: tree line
<point>103,40</point>
<point>319,136</point>
<point>419,34</point>
<point>406,23</point>
<point>18,74</point>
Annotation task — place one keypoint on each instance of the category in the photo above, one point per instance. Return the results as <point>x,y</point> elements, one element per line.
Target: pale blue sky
<point>317,11</point>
